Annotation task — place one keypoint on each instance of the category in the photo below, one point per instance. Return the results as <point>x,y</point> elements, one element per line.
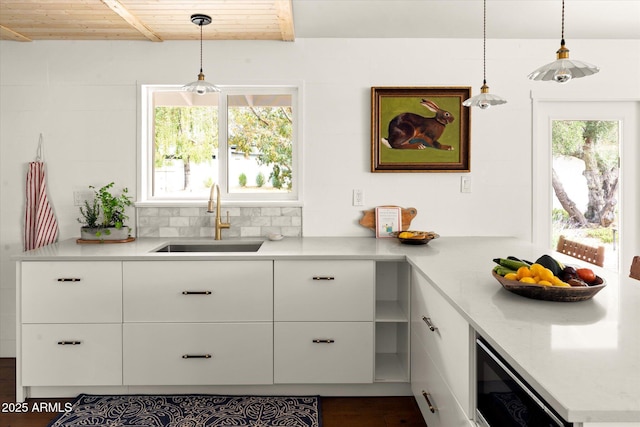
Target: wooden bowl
<point>419,237</point>
<point>550,293</point>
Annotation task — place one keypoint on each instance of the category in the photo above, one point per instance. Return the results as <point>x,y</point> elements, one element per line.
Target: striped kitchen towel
<point>40,224</point>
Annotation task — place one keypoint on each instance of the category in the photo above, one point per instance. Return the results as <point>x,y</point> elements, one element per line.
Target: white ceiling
<point>513,19</point>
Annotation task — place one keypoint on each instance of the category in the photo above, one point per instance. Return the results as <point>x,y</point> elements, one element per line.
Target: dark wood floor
<point>336,411</point>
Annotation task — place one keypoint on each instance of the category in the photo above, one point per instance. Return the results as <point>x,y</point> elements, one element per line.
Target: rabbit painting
<point>415,132</point>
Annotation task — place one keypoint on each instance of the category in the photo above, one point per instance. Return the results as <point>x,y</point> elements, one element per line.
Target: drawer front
<point>198,291</point>
<point>449,343</point>
<point>324,290</point>
<point>437,403</point>
<point>66,355</point>
<point>71,292</point>
<point>323,352</point>
<point>198,354</point>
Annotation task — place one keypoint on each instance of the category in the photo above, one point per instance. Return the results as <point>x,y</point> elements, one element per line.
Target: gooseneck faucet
<point>219,224</point>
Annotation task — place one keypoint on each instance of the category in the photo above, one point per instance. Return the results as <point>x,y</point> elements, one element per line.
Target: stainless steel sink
<point>217,246</point>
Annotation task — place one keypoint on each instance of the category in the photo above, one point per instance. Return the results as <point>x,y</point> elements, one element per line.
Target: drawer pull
<point>426,397</point>
<point>196,292</point>
<point>324,278</point>
<point>427,320</point>
<point>69,279</point>
<point>323,341</point>
<point>69,342</point>
<point>196,356</point>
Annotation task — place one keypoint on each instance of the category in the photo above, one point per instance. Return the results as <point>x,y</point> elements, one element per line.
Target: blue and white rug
<point>193,410</point>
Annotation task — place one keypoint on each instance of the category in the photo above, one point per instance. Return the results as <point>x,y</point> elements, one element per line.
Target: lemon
<point>527,280</point>
<point>511,276</point>
<point>523,272</point>
<point>544,283</point>
<point>546,275</point>
<point>405,235</point>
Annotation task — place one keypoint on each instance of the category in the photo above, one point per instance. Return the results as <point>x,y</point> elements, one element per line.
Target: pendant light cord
<point>484,44</point>
<point>200,46</point>
<point>562,38</point>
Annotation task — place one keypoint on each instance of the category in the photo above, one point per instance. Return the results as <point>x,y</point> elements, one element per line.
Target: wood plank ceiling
<point>153,20</point>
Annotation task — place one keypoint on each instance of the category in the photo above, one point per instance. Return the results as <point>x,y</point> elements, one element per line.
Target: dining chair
<point>590,254</point>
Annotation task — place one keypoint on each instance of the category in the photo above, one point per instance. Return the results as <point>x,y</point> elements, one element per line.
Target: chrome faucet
<point>219,224</point>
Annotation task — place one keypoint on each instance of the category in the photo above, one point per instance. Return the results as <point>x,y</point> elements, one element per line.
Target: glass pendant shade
<point>484,100</point>
<point>200,86</point>
<point>563,69</point>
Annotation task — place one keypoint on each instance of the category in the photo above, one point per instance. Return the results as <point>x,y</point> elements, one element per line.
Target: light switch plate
<point>358,198</point>
<point>465,184</point>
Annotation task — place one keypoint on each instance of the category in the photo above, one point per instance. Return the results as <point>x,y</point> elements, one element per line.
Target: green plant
<point>112,207</point>
<point>90,213</point>
<point>242,180</point>
<point>605,235</point>
<point>260,179</point>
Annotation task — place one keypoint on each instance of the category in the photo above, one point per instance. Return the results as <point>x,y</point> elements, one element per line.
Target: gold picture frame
<point>420,129</point>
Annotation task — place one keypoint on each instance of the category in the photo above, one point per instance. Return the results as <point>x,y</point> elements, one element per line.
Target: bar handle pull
<point>196,356</point>
<point>324,278</point>
<point>426,397</point>
<point>69,342</point>
<point>196,292</point>
<point>69,279</point>
<point>323,341</point>
<point>429,323</point>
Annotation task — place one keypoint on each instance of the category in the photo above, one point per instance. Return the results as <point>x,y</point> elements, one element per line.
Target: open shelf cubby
<point>392,321</point>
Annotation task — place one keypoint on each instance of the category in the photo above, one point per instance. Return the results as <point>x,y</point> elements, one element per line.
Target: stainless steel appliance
<point>504,399</point>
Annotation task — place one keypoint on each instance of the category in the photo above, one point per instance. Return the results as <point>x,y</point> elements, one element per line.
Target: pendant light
<point>200,86</point>
<point>563,69</point>
<point>484,100</point>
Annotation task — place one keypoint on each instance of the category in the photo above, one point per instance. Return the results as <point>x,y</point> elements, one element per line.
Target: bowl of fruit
<point>547,279</point>
<point>412,237</point>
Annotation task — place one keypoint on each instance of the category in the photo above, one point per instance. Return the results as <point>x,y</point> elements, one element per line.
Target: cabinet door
<point>198,353</point>
<point>198,291</point>
<point>69,355</point>
<point>71,292</point>
<point>324,290</point>
<point>438,405</point>
<point>446,336</point>
<point>323,352</point>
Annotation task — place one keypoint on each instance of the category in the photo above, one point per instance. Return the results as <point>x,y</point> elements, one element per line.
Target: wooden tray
<point>83,242</point>
<point>368,219</point>
<point>550,293</point>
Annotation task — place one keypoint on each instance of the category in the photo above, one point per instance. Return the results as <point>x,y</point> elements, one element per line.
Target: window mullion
<point>223,149</point>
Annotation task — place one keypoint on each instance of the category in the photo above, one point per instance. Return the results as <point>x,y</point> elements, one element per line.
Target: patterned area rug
<point>193,410</point>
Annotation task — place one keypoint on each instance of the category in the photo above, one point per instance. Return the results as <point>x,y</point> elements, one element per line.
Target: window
<point>244,139</point>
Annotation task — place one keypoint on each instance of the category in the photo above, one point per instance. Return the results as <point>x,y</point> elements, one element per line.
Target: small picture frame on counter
<point>388,220</point>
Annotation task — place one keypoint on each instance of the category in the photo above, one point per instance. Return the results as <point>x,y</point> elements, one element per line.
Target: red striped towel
<point>40,224</point>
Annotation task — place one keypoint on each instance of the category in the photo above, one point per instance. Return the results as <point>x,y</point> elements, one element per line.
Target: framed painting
<point>420,129</point>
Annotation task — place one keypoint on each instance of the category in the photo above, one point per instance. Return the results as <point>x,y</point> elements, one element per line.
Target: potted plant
<point>103,218</point>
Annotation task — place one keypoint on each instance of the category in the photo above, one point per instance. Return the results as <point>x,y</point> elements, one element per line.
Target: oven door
<point>504,399</point>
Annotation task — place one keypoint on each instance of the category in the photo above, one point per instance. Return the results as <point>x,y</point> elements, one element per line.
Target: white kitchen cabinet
<point>71,354</point>
<point>71,292</point>
<point>446,337</point>
<point>392,322</point>
<point>198,322</point>
<point>436,401</point>
<point>198,291</point>
<point>198,353</point>
<point>323,330</point>
<point>335,290</point>
<point>323,352</point>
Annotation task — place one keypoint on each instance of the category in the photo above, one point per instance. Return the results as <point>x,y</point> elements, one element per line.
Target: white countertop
<point>582,357</point>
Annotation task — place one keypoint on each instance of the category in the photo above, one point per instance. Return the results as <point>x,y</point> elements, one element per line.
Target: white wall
<point>82,97</point>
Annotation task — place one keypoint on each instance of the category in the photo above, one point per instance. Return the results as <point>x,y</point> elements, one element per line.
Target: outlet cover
<point>358,198</point>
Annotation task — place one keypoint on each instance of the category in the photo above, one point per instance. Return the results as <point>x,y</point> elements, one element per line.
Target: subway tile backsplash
<point>197,222</point>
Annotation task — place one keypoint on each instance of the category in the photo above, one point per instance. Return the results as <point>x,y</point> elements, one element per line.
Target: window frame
<point>145,150</point>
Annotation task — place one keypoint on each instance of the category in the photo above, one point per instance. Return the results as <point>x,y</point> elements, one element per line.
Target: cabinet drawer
<point>71,292</point>
<point>71,354</point>
<point>198,291</point>
<point>198,354</point>
<point>449,344</point>
<point>439,408</point>
<point>324,290</point>
<point>343,355</point>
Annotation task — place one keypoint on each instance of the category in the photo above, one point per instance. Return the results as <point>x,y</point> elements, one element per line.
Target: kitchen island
<point>583,358</point>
